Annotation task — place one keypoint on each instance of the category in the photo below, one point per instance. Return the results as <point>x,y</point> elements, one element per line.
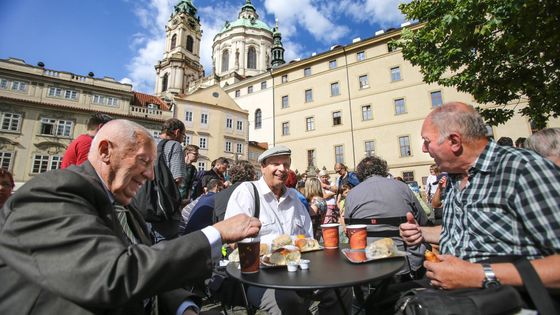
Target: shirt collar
<point>486,160</point>
<point>266,190</point>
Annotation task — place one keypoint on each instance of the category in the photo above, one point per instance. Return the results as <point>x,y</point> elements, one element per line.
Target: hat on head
<point>276,151</point>
<point>323,173</point>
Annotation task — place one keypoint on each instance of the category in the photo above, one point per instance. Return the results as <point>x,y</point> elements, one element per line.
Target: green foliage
<point>496,50</point>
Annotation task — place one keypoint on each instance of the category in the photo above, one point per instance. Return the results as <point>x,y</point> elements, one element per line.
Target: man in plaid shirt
<point>501,201</point>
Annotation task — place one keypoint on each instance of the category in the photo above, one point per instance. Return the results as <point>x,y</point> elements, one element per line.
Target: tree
<point>498,51</point>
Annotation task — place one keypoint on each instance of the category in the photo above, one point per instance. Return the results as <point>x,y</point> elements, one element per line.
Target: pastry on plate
<point>384,247</point>
<point>307,244</point>
<point>282,256</point>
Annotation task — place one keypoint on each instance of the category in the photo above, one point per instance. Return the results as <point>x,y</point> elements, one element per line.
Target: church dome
<point>248,18</point>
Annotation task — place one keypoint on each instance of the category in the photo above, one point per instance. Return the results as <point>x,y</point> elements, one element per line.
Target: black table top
<point>328,268</point>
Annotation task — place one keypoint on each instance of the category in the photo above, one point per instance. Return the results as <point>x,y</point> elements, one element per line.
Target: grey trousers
<point>277,302</point>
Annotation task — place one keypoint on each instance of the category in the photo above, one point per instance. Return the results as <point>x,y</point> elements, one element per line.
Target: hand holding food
<point>430,256</point>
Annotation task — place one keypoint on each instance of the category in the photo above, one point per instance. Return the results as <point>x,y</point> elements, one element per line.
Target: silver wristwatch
<point>490,280</point>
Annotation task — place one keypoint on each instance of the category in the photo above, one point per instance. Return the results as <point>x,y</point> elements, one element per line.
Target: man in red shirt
<point>78,150</point>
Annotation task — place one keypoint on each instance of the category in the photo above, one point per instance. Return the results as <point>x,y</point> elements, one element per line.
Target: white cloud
<point>385,13</point>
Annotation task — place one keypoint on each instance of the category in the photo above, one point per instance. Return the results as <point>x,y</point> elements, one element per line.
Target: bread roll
<point>306,244</point>
<point>382,248</point>
<point>281,240</point>
<point>284,255</point>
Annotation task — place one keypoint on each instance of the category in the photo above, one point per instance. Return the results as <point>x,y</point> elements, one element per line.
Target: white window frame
<point>369,147</point>
<point>4,83</point>
<point>239,125</point>
<point>20,86</point>
<point>59,127</point>
<point>286,103</point>
<point>339,153</point>
<point>361,55</point>
<point>404,143</point>
<point>332,64</point>
<point>432,98</point>
<point>228,146</point>
<point>337,116</point>
<point>367,112</point>
<point>397,105</point>
<point>250,89</point>
<point>7,159</point>
<point>239,148</point>
<point>309,95</point>
<point>188,116</point>
<point>229,123</point>
<point>363,81</point>
<point>201,166</point>
<point>285,128</point>
<point>396,74</point>
<point>11,119</point>
<point>310,123</point>
<point>204,120</point>
<point>44,162</point>
<point>203,143</point>
<point>335,89</point>
<point>307,71</point>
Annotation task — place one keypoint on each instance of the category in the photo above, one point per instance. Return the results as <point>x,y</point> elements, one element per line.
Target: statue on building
<point>237,58</point>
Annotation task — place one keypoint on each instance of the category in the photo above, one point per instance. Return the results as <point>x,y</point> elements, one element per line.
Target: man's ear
<point>456,142</point>
<point>105,149</point>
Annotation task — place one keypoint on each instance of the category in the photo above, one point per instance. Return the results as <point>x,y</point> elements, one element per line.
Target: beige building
<point>360,99</point>
<point>43,110</point>
<point>215,123</point>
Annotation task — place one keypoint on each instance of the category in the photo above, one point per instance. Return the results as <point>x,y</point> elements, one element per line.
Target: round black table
<point>328,269</point>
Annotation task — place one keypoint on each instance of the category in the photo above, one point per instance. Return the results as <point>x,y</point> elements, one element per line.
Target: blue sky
<point>123,39</point>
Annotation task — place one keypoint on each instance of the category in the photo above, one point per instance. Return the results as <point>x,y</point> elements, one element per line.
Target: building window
<point>284,78</point>
<point>367,113</point>
<point>239,148</point>
<point>56,127</point>
<point>400,107</point>
<point>203,143</point>
<point>311,158</point>
<point>10,122</point>
<point>19,86</point>
<point>332,64</point>
<point>201,166</point>
<point>285,101</point>
<point>237,93</point>
<point>395,74</point>
<point>71,95</point>
<point>6,160</point>
<point>54,91</point>
<point>229,123</point>
<point>188,140</point>
<point>225,61</point>
<point>263,85</point>
<point>249,89</point>
<point>308,95</point>
<point>3,84</point>
<point>285,128</point>
<point>43,163</point>
<point>112,101</point>
<point>404,143</point>
<point>164,82</point>
<point>239,125</point>
<point>204,119</point>
<point>337,118</point>
<point>252,58</point>
<point>188,116</point>
<point>369,147</point>
<point>436,98</point>
<point>363,81</point>
<point>309,123</point>
<point>228,146</point>
<point>105,100</point>
<point>408,176</point>
<point>335,91</point>
<point>190,43</point>
<point>307,72</point>
<point>258,119</point>
<point>338,154</point>
<point>173,41</point>
<point>361,56</point>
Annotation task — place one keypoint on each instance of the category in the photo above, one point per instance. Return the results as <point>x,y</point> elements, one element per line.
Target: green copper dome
<point>257,24</point>
<point>185,6</point>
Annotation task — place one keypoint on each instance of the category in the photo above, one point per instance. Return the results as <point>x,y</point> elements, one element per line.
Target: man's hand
<point>453,273</point>
<point>410,231</point>
<point>238,227</point>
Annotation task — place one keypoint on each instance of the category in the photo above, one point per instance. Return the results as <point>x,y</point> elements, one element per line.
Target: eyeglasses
<point>6,185</point>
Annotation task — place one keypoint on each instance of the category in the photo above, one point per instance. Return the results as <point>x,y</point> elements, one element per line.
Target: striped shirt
<point>174,158</point>
<point>510,206</point>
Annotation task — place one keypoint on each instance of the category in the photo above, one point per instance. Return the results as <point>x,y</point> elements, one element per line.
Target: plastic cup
<point>304,264</point>
<point>292,266</point>
<point>330,235</point>
<point>357,234</point>
<point>249,255</point>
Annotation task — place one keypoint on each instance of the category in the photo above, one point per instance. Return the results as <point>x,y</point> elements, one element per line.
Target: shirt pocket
<point>298,227</point>
<point>269,226</point>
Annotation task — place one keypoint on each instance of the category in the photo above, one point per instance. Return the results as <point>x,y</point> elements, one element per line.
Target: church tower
<point>181,59</point>
<point>241,48</point>
<point>277,48</point>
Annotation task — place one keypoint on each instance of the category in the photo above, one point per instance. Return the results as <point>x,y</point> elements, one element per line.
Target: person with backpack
<point>191,156</point>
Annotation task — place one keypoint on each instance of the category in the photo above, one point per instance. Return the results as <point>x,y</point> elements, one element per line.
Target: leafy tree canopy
<point>498,51</point>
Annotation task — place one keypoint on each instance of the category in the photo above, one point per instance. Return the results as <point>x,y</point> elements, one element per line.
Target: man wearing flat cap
<point>281,212</point>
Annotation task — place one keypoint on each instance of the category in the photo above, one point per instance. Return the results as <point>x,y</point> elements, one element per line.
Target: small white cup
<point>292,266</point>
<point>304,264</point>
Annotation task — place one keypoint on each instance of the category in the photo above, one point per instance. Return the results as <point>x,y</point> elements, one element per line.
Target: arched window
<point>225,60</point>
<point>258,119</point>
<point>164,82</point>
<point>252,58</point>
<point>173,41</point>
<point>190,43</point>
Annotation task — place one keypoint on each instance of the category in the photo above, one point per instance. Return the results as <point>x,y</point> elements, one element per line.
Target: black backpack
<point>198,189</point>
<point>159,200</point>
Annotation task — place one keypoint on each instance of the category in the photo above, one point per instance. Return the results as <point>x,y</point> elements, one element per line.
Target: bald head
<point>123,153</point>
<point>457,117</point>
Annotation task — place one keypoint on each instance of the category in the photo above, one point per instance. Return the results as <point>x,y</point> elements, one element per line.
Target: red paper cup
<point>330,235</point>
<point>249,258</point>
<point>357,234</point>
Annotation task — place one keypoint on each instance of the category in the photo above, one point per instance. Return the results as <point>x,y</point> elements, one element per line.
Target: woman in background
<point>6,185</point>
<point>313,192</point>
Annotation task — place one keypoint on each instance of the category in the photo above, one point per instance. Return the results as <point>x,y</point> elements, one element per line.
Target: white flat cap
<point>275,151</point>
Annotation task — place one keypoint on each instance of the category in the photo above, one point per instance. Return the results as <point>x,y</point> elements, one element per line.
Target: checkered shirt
<point>510,206</point>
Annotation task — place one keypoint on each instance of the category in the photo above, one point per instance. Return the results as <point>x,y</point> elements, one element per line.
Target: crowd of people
<point>73,241</point>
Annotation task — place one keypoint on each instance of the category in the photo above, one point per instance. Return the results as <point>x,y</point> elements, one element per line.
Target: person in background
<point>6,185</point>
<point>241,171</point>
<point>520,143</point>
<point>317,206</point>
<point>202,214</point>
<point>346,177</point>
<point>173,130</point>
<point>546,142</point>
<point>329,194</point>
<point>77,151</point>
<point>71,244</point>
<point>191,156</point>
<point>291,182</point>
<point>432,182</point>
<point>505,141</point>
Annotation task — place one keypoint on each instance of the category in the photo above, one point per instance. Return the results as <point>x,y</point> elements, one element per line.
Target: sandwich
<point>381,248</point>
<point>306,244</point>
<point>282,256</point>
<point>280,241</point>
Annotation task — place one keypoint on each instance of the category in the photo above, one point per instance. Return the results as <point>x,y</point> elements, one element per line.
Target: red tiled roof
<point>141,99</point>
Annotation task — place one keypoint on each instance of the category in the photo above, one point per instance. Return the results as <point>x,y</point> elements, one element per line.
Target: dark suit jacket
<point>63,251</point>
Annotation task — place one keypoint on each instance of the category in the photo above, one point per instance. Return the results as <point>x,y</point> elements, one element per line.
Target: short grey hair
<point>452,117</point>
<point>545,142</point>
<point>371,165</point>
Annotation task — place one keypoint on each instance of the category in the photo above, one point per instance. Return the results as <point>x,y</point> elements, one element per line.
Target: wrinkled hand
<point>238,227</point>
<point>410,231</point>
<point>454,273</point>
<point>442,182</point>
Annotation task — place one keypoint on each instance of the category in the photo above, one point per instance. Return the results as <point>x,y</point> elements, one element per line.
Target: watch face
<point>491,284</point>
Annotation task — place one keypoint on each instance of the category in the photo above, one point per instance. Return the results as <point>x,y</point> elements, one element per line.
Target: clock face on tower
<point>192,24</point>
